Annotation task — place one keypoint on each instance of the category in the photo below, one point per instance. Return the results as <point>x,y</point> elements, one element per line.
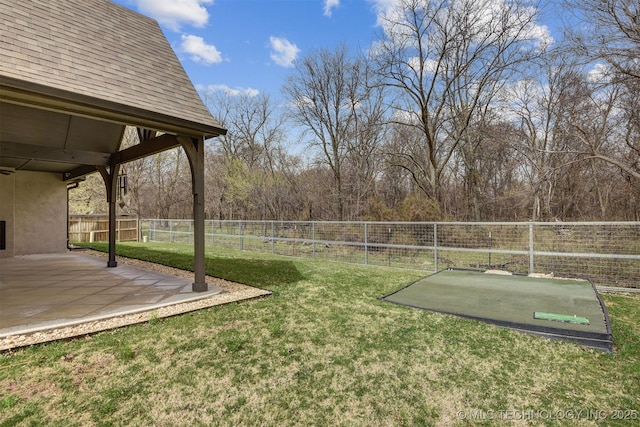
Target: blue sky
<point>250,45</point>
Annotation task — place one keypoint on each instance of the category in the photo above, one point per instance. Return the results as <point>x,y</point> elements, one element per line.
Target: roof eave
<point>39,96</point>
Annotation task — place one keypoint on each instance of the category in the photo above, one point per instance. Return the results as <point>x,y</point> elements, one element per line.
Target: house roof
<point>78,71</point>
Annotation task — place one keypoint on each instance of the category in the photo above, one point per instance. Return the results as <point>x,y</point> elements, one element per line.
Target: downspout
<point>71,186</point>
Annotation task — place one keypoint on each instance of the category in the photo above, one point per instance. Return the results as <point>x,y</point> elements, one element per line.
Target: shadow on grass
<point>255,272</point>
<point>263,273</point>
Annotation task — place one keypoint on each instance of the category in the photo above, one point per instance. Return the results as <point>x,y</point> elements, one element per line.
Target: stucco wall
<point>40,221</point>
<point>7,194</point>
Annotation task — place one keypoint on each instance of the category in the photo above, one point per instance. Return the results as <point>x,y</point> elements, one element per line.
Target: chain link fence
<point>608,253</point>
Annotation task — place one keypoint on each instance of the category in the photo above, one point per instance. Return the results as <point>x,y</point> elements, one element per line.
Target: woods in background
<point>460,111</point>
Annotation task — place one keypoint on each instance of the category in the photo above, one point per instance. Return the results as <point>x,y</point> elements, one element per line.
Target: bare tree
<point>170,183</point>
<point>447,61</point>
<point>253,184</point>
<point>630,105</point>
<point>540,105</point>
<point>254,127</point>
<point>333,100</point>
<point>363,157</point>
<point>609,31</point>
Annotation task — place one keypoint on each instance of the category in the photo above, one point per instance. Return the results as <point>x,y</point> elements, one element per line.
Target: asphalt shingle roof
<point>98,49</point>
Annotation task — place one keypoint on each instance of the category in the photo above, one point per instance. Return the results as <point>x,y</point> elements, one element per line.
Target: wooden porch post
<point>110,179</point>
<point>194,148</point>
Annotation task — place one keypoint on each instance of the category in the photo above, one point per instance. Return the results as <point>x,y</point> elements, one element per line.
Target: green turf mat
<point>524,303</point>
<point>568,318</point>
<point>505,298</point>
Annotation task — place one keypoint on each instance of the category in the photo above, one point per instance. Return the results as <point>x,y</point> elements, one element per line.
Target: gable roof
<point>97,59</point>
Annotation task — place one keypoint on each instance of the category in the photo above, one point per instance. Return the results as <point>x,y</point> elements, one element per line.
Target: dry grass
<point>323,350</point>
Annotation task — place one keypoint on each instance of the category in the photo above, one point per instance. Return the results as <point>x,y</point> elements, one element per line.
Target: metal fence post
<point>313,237</point>
<point>530,248</point>
<point>435,246</point>
<point>569,248</point>
<point>366,244</point>
<point>213,233</point>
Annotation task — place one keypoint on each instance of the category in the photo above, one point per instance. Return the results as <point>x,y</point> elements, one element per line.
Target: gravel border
<point>233,292</point>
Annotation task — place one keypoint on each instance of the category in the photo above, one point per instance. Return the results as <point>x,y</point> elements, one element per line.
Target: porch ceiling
<point>33,139</point>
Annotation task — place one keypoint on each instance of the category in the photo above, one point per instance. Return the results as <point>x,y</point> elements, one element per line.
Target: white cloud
<point>383,6</point>
<point>600,73</point>
<point>283,51</point>
<point>484,14</point>
<point>522,98</point>
<point>302,102</point>
<point>540,35</point>
<point>174,13</point>
<point>329,5</point>
<point>199,50</point>
<point>429,66</point>
<point>406,116</point>
<point>236,91</point>
<point>386,9</point>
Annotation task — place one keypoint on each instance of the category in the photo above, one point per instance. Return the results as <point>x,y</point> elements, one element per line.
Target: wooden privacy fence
<point>95,228</point>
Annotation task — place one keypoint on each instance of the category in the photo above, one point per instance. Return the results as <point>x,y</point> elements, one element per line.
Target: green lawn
<point>323,350</point>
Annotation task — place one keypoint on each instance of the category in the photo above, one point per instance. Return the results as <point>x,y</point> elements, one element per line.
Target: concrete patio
<point>53,296</point>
